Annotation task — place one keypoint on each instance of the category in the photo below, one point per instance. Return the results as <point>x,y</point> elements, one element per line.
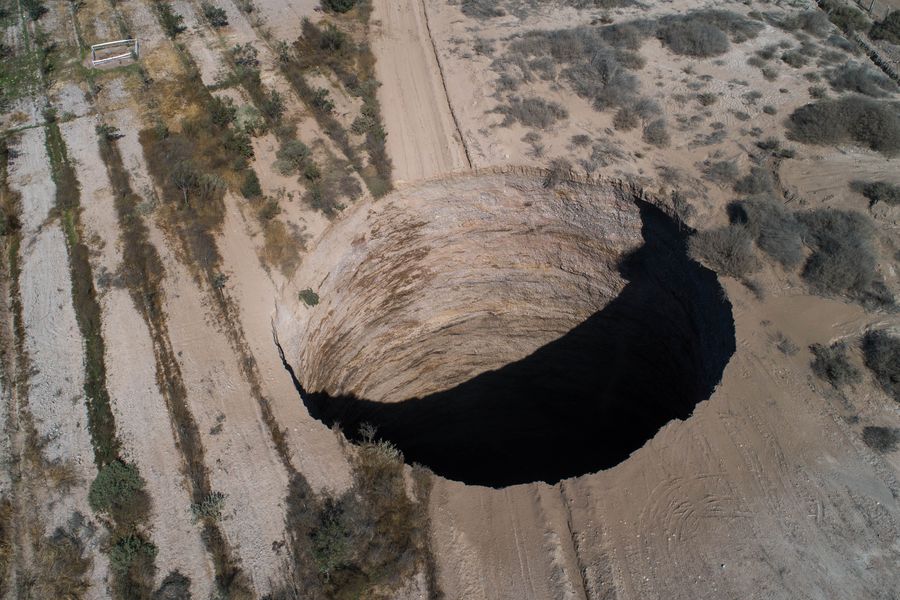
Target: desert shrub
<point>34,8</point>
<point>888,28</point>
<point>209,509</point>
<point>558,170</point>
<point>196,187</point>
<point>309,297</point>
<point>481,8</point>
<point>770,110</point>
<point>60,565</point>
<point>221,110</point>
<point>292,156</point>
<point>775,229</point>
<point>867,122</point>
<point>655,133</point>
<point>794,59</point>
<point>245,55</point>
<point>626,35</point>
<point>321,101</point>
<point>694,38</point>
<point>332,539</point>
<point>845,17</point>
<point>814,22</point>
<point>831,364</point>
<point>727,250</point>
<point>272,106</point>
<point>881,354</point>
<point>216,16</point>
<point>879,191</point>
<point>532,112</point>
<point>118,490</point>
<point>707,98</point>
<point>705,33</point>
<point>843,256</point>
<point>856,77</point>
<point>129,549</point>
<point>580,140</point>
<point>722,172</point>
<point>758,181</point>
<point>626,119</point>
<point>171,22</point>
<point>251,187</point>
<point>595,70</point>
<point>881,439</point>
<point>175,586</point>
<point>770,73</point>
<point>339,6</point>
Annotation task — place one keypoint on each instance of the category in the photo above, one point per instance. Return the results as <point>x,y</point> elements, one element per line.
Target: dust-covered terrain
<point>463,299</point>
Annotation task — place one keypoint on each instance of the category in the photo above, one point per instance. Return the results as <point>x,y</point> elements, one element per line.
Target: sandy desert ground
<point>463,299</point>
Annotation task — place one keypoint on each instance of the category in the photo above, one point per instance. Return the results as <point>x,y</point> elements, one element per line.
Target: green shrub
<point>210,508</point>
<point>171,22</point>
<point>887,29</point>
<point>251,188</point>
<point>867,122</point>
<point>727,250</point>
<point>127,550</point>
<point>881,353</point>
<point>881,439</point>
<point>831,364</point>
<point>216,16</point>
<point>339,6</point>
<point>845,17</point>
<point>221,110</point>
<point>331,540</point>
<point>309,297</point>
<point>34,8</point>
<point>118,490</point>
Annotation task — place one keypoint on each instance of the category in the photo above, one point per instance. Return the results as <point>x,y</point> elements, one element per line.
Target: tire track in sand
<point>424,138</point>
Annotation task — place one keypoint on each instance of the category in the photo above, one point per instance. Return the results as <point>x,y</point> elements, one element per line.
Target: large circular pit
<point>500,331</point>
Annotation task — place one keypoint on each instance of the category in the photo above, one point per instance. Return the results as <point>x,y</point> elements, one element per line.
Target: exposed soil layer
<point>502,332</point>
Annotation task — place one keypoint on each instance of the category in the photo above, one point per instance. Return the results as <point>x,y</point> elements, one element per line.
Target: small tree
<point>340,6</point>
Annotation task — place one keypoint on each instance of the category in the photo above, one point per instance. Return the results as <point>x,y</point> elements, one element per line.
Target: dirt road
<point>423,139</point>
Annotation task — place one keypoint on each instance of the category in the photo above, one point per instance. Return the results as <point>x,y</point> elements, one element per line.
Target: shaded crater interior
<point>500,333</point>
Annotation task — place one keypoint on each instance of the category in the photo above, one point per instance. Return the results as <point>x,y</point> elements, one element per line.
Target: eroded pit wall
<point>501,331</point>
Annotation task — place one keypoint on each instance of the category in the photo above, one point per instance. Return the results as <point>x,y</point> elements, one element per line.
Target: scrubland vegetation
<point>831,364</point>
<point>881,352</point>
<point>871,123</point>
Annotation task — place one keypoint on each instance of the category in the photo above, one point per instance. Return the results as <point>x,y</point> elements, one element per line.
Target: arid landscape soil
<point>462,299</point>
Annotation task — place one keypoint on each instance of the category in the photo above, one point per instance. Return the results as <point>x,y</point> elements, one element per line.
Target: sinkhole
<point>501,332</point>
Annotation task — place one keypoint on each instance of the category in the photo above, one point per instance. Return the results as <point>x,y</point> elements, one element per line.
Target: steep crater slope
<point>500,332</point>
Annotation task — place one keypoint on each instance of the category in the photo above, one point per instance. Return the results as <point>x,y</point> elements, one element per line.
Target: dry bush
<point>794,58</point>
<point>859,78</point>
<point>845,17</point>
<point>776,230</point>
<point>723,172</point>
<point>867,122</point>
<point>532,112</point>
<point>596,70</point>
<point>888,28</point>
<point>758,181</point>
<point>881,353</point>
<point>843,256</point>
<point>831,364</point>
<point>881,439</point>
<point>174,587</point>
<point>705,33</point>
<point>481,9</point>
<point>6,542</point>
<point>814,22</point>
<point>655,133</point>
<point>878,191</point>
<point>59,568</point>
<point>727,250</point>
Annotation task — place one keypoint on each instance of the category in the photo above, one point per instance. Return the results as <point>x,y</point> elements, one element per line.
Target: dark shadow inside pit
<point>583,402</point>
